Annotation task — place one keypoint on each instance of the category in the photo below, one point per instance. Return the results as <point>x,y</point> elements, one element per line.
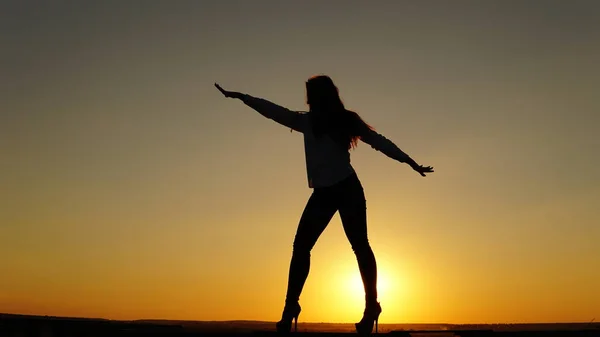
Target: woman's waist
<point>329,175</point>
<point>329,167</point>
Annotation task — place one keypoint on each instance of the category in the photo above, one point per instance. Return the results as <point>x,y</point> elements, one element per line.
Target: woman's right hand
<point>228,94</point>
<point>423,169</point>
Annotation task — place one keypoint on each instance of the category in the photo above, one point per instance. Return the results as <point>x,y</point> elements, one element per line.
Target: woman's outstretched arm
<point>279,114</point>
<point>387,147</point>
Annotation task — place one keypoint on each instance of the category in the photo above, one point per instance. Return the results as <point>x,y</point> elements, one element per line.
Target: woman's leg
<point>317,214</point>
<point>353,212</point>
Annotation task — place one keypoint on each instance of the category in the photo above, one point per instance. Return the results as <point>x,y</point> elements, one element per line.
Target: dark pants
<point>348,198</point>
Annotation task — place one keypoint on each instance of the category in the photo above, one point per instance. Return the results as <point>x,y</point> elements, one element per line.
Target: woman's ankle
<point>371,303</point>
<point>291,303</point>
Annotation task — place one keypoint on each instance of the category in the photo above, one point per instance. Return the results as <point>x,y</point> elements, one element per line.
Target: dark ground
<point>33,326</point>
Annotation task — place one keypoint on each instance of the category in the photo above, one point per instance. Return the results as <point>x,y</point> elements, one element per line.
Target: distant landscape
<point>15,325</point>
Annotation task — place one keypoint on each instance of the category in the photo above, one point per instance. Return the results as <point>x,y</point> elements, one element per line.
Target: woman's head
<point>322,94</point>
<point>328,114</point>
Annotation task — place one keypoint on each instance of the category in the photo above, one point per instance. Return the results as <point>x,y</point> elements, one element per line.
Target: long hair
<point>329,116</point>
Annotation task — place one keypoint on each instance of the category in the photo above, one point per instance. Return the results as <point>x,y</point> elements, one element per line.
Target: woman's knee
<point>301,248</point>
<point>361,246</point>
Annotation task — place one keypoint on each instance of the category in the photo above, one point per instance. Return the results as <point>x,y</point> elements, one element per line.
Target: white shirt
<point>326,161</point>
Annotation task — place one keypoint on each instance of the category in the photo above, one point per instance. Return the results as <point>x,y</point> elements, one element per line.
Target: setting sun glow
<point>347,296</point>
<point>356,289</point>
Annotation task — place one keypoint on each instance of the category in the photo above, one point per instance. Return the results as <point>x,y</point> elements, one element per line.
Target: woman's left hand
<point>228,94</point>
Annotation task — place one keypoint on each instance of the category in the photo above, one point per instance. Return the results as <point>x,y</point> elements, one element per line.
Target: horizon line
<point>591,322</point>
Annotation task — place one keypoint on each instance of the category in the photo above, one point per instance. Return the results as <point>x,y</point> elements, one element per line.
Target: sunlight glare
<point>357,288</point>
<point>355,292</point>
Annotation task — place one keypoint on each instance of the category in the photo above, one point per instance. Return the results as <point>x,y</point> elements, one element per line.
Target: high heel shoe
<point>371,314</point>
<point>290,312</point>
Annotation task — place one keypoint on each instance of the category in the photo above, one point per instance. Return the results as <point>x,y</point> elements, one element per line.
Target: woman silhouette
<point>330,131</point>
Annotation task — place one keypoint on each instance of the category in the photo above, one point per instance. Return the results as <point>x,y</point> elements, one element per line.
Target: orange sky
<point>132,189</point>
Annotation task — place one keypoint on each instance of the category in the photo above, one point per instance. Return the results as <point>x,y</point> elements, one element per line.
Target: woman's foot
<point>290,312</point>
<point>370,316</point>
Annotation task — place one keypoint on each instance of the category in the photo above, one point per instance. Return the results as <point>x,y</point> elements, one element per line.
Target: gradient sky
<point>132,189</point>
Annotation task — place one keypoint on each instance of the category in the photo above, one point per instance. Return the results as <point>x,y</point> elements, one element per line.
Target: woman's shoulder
<point>302,114</point>
<point>302,121</point>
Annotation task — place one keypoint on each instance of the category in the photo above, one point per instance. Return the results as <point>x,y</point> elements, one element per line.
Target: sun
<point>355,285</point>
<point>347,295</point>
<point>352,291</point>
